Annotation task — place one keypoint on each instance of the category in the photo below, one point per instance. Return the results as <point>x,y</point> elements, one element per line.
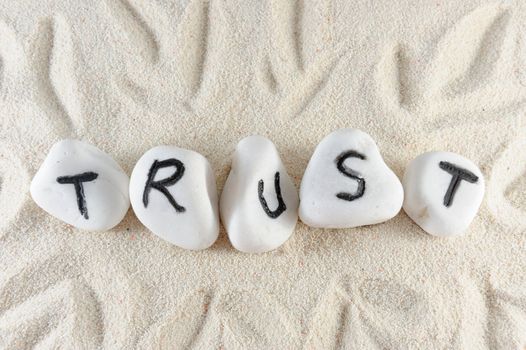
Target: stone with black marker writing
<point>443,192</point>
<point>82,186</point>
<point>173,193</point>
<point>347,183</point>
<point>259,202</point>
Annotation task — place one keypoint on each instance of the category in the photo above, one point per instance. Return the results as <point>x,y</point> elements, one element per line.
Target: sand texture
<point>127,75</point>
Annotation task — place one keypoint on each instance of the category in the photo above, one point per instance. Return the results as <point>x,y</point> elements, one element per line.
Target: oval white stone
<point>375,198</point>
<point>196,225</point>
<point>257,225</point>
<point>426,185</point>
<point>105,195</point>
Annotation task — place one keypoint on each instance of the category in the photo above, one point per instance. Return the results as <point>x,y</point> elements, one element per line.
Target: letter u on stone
<point>259,203</point>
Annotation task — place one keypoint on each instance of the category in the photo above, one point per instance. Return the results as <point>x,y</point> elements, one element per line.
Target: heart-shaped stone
<point>173,193</point>
<point>347,184</point>
<point>81,185</point>
<point>443,192</point>
<point>259,202</point>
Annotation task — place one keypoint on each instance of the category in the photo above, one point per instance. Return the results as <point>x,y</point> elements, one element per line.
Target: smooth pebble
<point>259,202</point>
<point>82,186</point>
<point>173,193</point>
<point>443,192</point>
<point>347,184</point>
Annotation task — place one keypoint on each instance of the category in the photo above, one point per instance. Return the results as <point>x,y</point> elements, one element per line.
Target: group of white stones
<point>173,191</point>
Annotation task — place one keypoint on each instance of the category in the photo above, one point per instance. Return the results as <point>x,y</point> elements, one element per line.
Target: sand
<point>127,75</point>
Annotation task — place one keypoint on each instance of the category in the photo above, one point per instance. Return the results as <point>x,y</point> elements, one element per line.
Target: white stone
<point>364,192</point>
<point>102,199</point>
<point>427,200</point>
<point>252,227</point>
<point>184,176</point>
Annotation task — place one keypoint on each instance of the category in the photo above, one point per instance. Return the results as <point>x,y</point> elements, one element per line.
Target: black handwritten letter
<point>352,174</point>
<point>76,181</point>
<point>458,174</point>
<point>162,184</point>
<point>281,204</point>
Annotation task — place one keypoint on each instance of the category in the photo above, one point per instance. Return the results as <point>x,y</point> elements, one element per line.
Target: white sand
<point>128,75</point>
